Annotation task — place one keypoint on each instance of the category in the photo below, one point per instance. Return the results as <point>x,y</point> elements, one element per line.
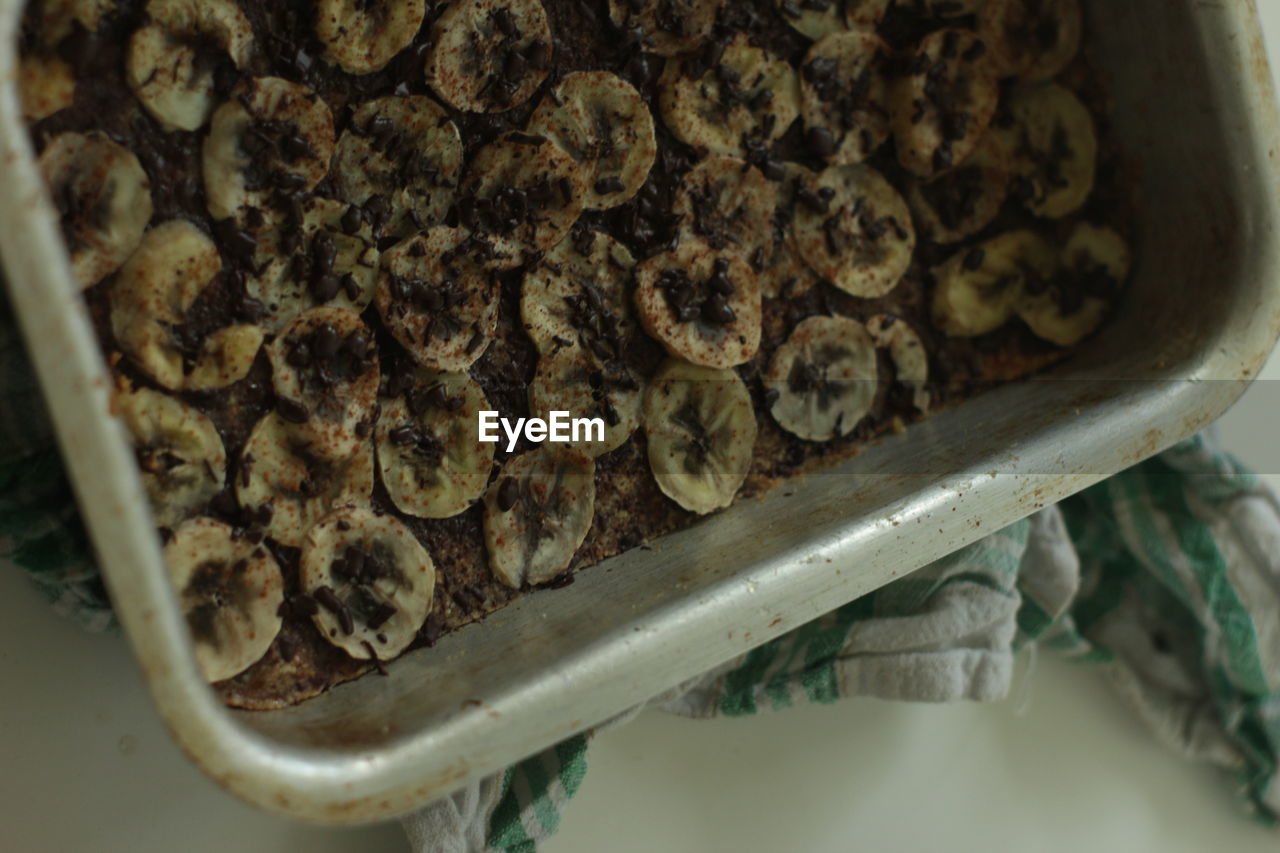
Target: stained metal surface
<point>1194,104</point>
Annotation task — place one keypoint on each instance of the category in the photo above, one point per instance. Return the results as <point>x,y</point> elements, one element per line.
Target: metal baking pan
<point>1194,104</point>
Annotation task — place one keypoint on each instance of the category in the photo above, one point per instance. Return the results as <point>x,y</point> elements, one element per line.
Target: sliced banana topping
<point>179,452</point>
<point>665,27</point>
<point>436,301</point>
<point>537,513</point>
<point>1050,136</point>
<point>728,204</point>
<point>103,198</point>
<point>429,450</point>
<point>962,201</point>
<point>46,84</point>
<point>845,90</point>
<point>579,295</point>
<point>230,590</point>
<point>283,482</point>
<point>489,56</point>
<point>1032,39</point>
<point>603,123</point>
<point>1072,305</point>
<point>701,305</point>
<point>154,314</point>
<point>361,37</point>
<point>372,582</point>
<point>977,288</point>
<point>701,432</point>
<point>818,18</point>
<point>823,379</point>
<point>854,230</point>
<point>576,381</point>
<point>907,352</point>
<point>732,98</point>
<point>273,139</point>
<point>324,366</point>
<point>522,193</point>
<point>172,61</point>
<point>313,257</point>
<point>944,103</point>
<point>400,160</point>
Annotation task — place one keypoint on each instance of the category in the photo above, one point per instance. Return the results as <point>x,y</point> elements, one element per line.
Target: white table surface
<point>85,764</point>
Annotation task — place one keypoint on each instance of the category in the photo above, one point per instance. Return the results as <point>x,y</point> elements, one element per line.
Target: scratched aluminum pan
<point>1194,103</point>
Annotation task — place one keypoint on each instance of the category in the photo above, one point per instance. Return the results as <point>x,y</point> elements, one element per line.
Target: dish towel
<point>1166,577</point>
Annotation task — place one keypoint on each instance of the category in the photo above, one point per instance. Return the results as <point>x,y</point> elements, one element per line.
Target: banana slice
<point>604,124</point>
<point>665,27</point>
<point>373,582</point>
<point>823,379</point>
<point>440,305</point>
<point>728,204</point>
<point>576,381</point>
<point>429,450</point>
<point>537,514</point>
<point>104,200</point>
<point>310,258</point>
<point>845,96</point>
<point>1094,265</point>
<point>154,316</point>
<point>46,84</point>
<point>854,230</point>
<point>701,432</point>
<point>230,591</point>
<point>819,18</point>
<point>179,452</point>
<point>741,104</point>
<point>406,152</point>
<point>962,201</point>
<point>701,305</point>
<point>171,62</point>
<point>523,192</point>
<point>282,481</point>
<point>324,367</point>
<point>362,37</point>
<point>907,352</point>
<point>272,139</point>
<point>977,289</point>
<point>945,102</point>
<point>1054,148</point>
<point>1032,39</point>
<point>489,56</point>
<point>580,297</point>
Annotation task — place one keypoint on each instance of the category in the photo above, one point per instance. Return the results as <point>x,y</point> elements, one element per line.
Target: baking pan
<point>1194,105</point>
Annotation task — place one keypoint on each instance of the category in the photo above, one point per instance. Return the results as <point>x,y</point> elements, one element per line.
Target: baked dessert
<point>319,241</point>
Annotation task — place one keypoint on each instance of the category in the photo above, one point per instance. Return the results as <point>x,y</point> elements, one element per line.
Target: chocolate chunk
<point>508,494</point>
<point>292,411</point>
<point>820,141</point>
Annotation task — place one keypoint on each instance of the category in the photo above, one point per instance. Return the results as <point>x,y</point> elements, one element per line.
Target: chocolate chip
<point>352,219</point>
<point>609,186</point>
<point>820,141</point>
<point>508,494</point>
<point>716,311</point>
<point>292,411</point>
<point>403,436</point>
<point>973,258</point>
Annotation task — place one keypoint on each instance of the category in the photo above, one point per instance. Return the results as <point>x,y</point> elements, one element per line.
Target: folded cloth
<point>1167,576</point>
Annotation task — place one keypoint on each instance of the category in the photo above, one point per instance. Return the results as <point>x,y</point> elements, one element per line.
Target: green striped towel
<point>1167,576</point>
